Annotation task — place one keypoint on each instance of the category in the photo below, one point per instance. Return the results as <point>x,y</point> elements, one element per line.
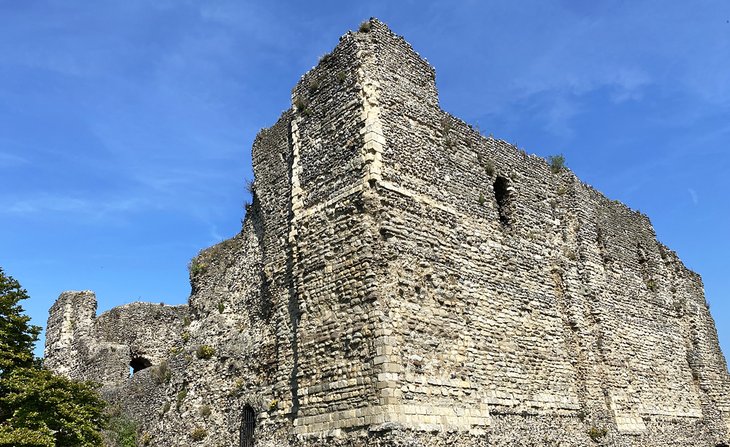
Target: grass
<point>180,398</point>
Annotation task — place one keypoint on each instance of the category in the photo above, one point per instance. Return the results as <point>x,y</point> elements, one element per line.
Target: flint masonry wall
<point>402,280</point>
<point>101,349</point>
<point>334,281</point>
<point>505,273</point>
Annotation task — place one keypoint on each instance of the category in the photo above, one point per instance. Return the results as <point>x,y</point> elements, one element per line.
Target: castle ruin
<point>402,280</point>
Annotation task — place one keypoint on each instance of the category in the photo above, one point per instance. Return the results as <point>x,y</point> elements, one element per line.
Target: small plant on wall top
<point>365,27</point>
<point>557,163</point>
<point>196,267</point>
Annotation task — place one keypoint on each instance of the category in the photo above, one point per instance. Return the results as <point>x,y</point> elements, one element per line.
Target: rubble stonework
<point>400,280</point>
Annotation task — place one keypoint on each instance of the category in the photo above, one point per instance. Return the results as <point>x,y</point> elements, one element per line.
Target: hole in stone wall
<point>138,363</point>
<point>248,424</point>
<point>503,197</point>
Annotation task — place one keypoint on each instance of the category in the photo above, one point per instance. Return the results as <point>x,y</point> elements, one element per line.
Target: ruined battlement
<point>401,279</point>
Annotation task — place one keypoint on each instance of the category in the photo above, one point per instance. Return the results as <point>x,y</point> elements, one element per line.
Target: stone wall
<point>104,349</point>
<point>401,279</point>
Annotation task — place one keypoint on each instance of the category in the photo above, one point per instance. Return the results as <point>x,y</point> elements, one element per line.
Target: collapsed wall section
<point>109,348</point>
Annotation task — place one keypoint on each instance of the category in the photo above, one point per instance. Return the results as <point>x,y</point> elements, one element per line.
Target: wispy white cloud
<point>559,115</point>
<point>46,204</point>
<point>10,160</point>
<point>693,196</point>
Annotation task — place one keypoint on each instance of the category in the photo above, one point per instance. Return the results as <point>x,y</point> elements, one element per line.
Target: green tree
<point>17,337</point>
<point>37,403</point>
<point>37,407</point>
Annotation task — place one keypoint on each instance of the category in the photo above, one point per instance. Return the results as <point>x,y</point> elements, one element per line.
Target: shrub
<point>365,26</point>
<point>204,411</point>
<point>221,307</point>
<point>161,373</point>
<point>651,285</point>
<point>489,168</point>
<point>302,106</point>
<point>196,267</point>
<point>121,430</point>
<point>446,124</point>
<point>204,352</point>
<point>482,199</point>
<point>557,163</point>
<point>314,85</point>
<point>597,433</point>
<point>341,76</point>
<point>300,103</point>
<point>198,434</point>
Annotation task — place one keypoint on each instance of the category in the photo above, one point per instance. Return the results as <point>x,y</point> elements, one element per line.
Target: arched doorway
<point>248,425</point>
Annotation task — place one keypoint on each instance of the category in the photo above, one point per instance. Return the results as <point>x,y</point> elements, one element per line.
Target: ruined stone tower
<point>401,279</point>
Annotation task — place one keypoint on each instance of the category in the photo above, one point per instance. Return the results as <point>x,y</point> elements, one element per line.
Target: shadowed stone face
<point>400,280</point>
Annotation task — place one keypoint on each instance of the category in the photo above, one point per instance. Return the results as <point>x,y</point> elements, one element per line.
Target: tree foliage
<point>36,403</point>
<point>17,337</point>
<point>37,407</point>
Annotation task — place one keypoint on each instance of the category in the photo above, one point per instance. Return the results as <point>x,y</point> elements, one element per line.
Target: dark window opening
<point>504,200</point>
<point>138,364</point>
<point>248,424</point>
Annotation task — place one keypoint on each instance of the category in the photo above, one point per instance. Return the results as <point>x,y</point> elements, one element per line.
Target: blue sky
<point>126,127</point>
